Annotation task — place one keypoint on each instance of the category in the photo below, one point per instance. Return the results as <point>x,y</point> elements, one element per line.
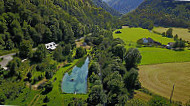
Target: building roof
<point>51,46</point>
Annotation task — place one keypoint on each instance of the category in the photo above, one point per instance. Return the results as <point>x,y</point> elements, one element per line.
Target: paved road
<point>6,59</point>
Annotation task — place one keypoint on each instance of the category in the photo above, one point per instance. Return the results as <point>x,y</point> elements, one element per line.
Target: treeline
<point>105,6</point>
<point>168,13</point>
<point>42,21</point>
<point>112,82</point>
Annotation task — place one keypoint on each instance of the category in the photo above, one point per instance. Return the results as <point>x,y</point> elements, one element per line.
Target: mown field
<point>181,32</point>
<point>161,77</point>
<point>152,55</point>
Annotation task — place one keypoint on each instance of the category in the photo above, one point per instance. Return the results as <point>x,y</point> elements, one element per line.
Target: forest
<point>166,13</point>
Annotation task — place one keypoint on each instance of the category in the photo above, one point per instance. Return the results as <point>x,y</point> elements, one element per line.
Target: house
<point>51,46</point>
<point>145,40</point>
<point>150,40</point>
<point>84,44</point>
<point>170,45</point>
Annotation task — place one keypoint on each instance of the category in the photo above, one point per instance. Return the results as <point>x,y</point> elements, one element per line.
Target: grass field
<point>131,35</point>
<point>160,78</point>
<point>141,95</point>
<point>181,32</point>
<point>152,55</point>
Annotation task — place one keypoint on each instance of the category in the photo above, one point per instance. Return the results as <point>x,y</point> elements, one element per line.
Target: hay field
<point>161,77</point>
<point>181,32</point>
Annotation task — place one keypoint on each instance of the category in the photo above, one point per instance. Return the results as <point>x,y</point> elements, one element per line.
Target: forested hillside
<point>105,6</point>
<point>124,6</point>
<point>159,12</point>
<point>42,21</point>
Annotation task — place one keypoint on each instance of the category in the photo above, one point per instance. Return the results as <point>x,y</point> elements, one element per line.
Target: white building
<point>51,46</point>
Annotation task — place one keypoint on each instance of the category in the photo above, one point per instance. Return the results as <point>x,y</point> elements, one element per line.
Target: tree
<point>47,88</point>
<point>119,50</point>
<point>46,99</point>
<point>16,31</point>
<point>80,52</point>
<point>40,53</point>
<point>2,98</point>
<point>130,79</point>
<point>176,37</point>
<point>2,7</point>
<point>164,34</point>
<point>96,96</point>
<point>9,45</point>
<point>132,58</point>
<point>169,33</point>
<point>67,49</point>
<point>13,66</point>
<point>47,36</point>
<point>95,67</point>
<point>114,85</point>
<point>29,75</point>
<point>25,49</point>
<point>57,55</point>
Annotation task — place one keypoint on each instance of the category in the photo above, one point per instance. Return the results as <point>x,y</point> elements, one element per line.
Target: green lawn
<point>152,55</point>
<point>131,35</point>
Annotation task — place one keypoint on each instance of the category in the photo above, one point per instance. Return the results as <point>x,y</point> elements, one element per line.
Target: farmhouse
<point>147,40</point>
<point>51,46</point>
<point>170,45</point>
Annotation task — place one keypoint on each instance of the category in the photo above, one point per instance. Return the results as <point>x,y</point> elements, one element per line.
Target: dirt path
<point>6,59</point>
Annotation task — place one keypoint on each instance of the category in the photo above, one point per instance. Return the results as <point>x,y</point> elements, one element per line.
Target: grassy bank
<point>4,52</point>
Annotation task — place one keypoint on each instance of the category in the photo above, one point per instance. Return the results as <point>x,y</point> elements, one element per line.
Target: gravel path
<point>6,59</point>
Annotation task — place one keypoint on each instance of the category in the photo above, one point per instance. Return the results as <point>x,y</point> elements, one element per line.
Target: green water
<point>76,82</point>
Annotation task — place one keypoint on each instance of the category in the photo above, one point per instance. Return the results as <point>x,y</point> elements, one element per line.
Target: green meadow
<point>152,55</point>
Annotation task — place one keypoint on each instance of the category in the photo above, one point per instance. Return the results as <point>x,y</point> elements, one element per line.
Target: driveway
<point>6,59</point>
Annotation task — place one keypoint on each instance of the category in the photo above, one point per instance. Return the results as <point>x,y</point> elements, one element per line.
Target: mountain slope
<point>105,6</point>
<point>43,21</point>
<point>124,6</point>
<point>160,12</point>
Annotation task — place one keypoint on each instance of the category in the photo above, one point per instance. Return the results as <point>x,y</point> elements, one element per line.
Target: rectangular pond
<point>76,82</point>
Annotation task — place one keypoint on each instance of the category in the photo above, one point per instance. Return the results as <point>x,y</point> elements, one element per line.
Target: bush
<point>158,101</point>
<point>80,52</point>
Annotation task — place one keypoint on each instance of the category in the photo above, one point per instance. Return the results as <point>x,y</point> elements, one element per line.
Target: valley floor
<point>160,68</point>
